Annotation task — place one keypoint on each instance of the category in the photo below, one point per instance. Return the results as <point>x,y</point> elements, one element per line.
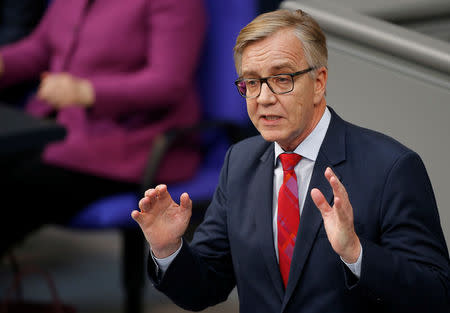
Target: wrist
<point>351,254</point>
<point>167,250</point>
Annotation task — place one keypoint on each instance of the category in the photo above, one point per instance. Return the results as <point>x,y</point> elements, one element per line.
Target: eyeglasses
<point>278,84</point>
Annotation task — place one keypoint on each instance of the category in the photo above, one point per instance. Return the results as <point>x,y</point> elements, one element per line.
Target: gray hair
<point>304,26</point>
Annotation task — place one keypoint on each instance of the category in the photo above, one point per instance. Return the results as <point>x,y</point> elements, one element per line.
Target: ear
<point>320,84</point>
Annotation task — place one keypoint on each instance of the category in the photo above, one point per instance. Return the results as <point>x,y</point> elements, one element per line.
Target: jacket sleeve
<point>202,273</point>
<point>408,269</point>
<point>175,36</point>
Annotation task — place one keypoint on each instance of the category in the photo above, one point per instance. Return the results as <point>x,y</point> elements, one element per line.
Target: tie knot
<point>289,160</point>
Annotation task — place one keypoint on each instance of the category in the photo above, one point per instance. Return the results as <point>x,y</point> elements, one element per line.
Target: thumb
<point>185,201</point>
<point>320,201</point>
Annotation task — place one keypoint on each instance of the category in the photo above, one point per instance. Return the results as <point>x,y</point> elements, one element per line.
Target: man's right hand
<point>163,221</point>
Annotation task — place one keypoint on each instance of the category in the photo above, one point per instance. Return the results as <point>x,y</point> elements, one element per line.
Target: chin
<point>269,137</point>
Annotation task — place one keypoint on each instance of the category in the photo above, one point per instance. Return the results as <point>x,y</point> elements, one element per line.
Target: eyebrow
<point>282,66</point>
<point>273,68</point>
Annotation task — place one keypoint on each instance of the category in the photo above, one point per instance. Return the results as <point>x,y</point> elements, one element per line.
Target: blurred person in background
<point>115,74</point>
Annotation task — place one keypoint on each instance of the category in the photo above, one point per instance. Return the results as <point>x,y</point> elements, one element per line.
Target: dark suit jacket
<point>405,264</point>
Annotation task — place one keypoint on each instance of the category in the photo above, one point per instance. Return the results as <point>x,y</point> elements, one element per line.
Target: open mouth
<point>271,117</point>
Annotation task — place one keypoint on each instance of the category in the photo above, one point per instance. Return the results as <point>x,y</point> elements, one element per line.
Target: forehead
<point>281,50</point>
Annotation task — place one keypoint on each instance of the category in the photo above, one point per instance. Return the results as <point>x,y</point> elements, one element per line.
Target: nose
<point>266,96</point>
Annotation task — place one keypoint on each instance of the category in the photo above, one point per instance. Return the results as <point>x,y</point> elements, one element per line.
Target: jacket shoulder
<point>252,147</point>
<point>248,153</point>
<point>374,142</point>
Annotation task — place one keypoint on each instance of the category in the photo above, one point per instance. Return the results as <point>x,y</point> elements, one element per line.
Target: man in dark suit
<point>314,215</point>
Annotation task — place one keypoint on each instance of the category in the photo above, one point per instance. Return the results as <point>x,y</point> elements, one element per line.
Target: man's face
<point>288,118</point>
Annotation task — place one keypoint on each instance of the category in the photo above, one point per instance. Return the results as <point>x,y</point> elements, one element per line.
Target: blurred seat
<point>224,121</point>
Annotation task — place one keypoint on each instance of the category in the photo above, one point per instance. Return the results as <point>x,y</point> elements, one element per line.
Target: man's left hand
<point>338,220</point>
<point>62,90</point>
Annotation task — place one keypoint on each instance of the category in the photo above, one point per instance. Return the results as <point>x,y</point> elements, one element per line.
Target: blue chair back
<point>217,73</point>
<point>220,99</point>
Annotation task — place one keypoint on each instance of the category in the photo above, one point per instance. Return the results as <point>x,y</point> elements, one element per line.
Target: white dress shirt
<point>308,149</point>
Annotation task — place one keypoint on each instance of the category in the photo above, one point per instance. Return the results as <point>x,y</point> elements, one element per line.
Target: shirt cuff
<point>355,268</point>
<point>163,264</point>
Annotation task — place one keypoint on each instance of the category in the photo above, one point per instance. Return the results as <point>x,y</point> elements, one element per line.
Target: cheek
<point>251,111</point>
<point>297,114</point>
<point>294,109</point>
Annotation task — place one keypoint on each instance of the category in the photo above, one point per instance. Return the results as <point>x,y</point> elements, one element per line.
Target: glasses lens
<point>252,87</point>
<point>242,88</point>
<point>249,88</point>
<point>281,83</point>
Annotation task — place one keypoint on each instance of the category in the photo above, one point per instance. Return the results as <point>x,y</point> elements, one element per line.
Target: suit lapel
<point>332,152</point>
<point>263,218</point>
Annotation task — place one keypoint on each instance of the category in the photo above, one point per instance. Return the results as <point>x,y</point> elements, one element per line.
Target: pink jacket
<point>141,57</point>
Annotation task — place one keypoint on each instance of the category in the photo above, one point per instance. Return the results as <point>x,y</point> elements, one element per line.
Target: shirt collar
<point>309,148</point>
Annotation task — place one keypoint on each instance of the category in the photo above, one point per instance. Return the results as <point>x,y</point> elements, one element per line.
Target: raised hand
<point>338,220</point>
<point>163,221</point>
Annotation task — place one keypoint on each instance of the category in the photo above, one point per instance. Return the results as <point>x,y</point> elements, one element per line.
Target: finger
<point>163,195</point>
<point>338,202</point>
<point>161,190</point>
<point>343,210</point>
<point>44,75</point>
<point>137,216</point>
<point>335,183</point>
<point>152,195</point>
<point>320,201</point>
<point>49,80</point>
<point>150,198</point>
<point>41,91</point>
<point>144,204</point>
<point>66,76</point>
<point>340,208</point>
<point>329,172</point>
<point>185,201</point>
<point>148,192</point>
<point>46,92</point>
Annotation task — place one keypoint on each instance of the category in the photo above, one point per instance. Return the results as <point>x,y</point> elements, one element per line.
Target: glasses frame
<point>265,80</point>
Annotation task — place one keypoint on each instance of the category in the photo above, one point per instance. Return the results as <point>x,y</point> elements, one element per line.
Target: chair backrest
<point>217,74</point>
<point>220,99</point>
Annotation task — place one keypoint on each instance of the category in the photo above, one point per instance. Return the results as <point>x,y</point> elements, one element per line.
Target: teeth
<point>271,118</point>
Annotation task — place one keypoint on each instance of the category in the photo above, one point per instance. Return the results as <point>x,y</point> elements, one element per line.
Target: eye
<point>251,83</point>
<point>282,79</point>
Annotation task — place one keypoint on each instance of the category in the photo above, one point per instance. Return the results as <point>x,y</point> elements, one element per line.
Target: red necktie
<point>288,213</point>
